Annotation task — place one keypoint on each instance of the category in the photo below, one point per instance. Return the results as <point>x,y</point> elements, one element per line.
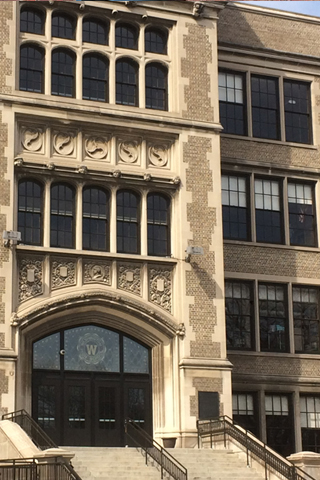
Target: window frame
<point>135,66</point>
<point>314,213</point>
<point>250,286</point>
<point>137,222</point>
<point>302,318</point>
<point>25,211</point>
<point>42,16</point>
<point>67,16</point>
<point>280,181</point>
<point>96,81</point>
<point>152,89</point>
<point>57,244</point>
<point>308,114</point>
<point>158,31</point>
<point>59,75</point>
<point>130,26</point>
<point>247,208</point>
<point>102,23</point>
<point>36,47</point>
<point>244,103</point>
<point>167,226</point>
<point>91,217</point>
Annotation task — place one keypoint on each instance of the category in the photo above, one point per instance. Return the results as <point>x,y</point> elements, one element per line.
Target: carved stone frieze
<point>158,155</point>
<point>129,278</point>
<point>97,272</point>
<point>128,151</point>
<point>63,273</point>
<point>30,278</point>
<point>63,143</point>
<point>160,287</point>
<point>96,147</point>
<point>32,139</point>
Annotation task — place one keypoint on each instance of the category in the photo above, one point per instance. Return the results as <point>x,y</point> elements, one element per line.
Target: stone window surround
<point>110,52</point>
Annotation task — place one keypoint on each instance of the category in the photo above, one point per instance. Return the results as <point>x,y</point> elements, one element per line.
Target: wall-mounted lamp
<point>193,251</point>
<point>10,238</point>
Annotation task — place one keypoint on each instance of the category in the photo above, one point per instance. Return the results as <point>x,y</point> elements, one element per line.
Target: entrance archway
<point>86,380</point>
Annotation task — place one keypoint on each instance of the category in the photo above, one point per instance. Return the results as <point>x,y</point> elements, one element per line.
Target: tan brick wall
<point>205,384</point>
<point>267,31</point>
<point>3,389</point>
<point>6,13</point>
<point>195,67</point>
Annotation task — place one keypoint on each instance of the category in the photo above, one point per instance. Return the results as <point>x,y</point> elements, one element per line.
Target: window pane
<point>155,41</point>
<point>127,83</point>
<point>158,225</point>
<point>243,409</point>
<point>62,80</point>
<point>62,216</point>
<point>128,224</point>
<point>268,213</point>
<point>280,433</point>
<point>31,68</point>
<point>273,318</point>
<point>232,104</point>
<point>306,319</point>
<point>265,107</point>
<point>234,208</point>
<point>126,36</point>
<point>63,26</point>
<point>156,86</point>
<point>239,315</point>
<point>95,31</point>
<point>297,111</point>
<point>95,219</point>
<point>32,21</point>
<point>301,215</point>
<point>30,197</point>
<point>95,78</point>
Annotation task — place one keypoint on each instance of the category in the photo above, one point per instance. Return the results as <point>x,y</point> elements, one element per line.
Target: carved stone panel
<point>32,139</point>
<point>129,278</point>
<point>96,148</point>
<point>160,287</point>
<point>158,155</point>
<point>97,272</point>
<point>129,151</point>
<point>30,278</point>
<point>63,273</point>
<point>63,144</point>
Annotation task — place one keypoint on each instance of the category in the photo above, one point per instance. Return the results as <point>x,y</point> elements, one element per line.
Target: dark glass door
<point>137,407</point>
<point>47,404</point>
<point>108,422</point>
<point>77,412</point>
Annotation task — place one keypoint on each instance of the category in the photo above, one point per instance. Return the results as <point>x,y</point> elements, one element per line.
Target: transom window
<point>155,40</point>
<point>126,36</point>
<point>239,315</point>
<point>32,21</point>
<point>63,26</point>
<point>95,31</point>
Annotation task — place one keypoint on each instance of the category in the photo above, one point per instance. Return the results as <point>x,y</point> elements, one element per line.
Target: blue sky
<point>307,7</point>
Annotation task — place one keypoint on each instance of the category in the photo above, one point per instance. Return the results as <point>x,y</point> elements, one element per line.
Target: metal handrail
<point>37,469</point>
<point>225,426</point>
<point>153,449</point>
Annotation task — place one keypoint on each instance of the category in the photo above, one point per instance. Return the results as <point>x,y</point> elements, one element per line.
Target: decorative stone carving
<point>96,147</point>
<point>160,287</point>
<point>128,151</point>
<point>116,173</point>
<point>97,272</point>
<point>63,143</point>
<point>83,169</point>
<point>30,278</point>
<point>158,155</point>
<point>181,330</point>
<point>129,278</point>
<point>32,139</point>
<point>63,273</point>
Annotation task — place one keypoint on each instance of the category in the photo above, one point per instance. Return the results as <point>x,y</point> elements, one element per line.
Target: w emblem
<point>91,348</point>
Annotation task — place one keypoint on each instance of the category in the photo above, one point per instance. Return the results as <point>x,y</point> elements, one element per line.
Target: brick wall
<point>6,13</point>
<point>204,384</point>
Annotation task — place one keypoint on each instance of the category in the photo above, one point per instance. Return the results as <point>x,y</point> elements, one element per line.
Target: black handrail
<point>224,426</point>
<point>33,469</point>
<point>153,449</point>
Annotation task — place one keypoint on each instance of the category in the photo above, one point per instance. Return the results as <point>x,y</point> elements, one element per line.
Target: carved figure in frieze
<point>63,274</point>
<point>129,278</point>
<point>128,151</point>
<point>32,139</point>
<point>30,278</point>
<point>158,155</point>
<point>97,272</point>
<point>96,148</point>
<point>160,287</point>
<point>63,143</point>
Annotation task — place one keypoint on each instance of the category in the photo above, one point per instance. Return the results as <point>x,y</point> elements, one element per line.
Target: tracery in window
<point>32,21</point>
<point>31,68</point>
<point>62,78</point>
<point>95,82</point>
<point>156,86</point>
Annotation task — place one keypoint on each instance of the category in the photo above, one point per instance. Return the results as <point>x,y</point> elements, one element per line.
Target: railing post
<point>265,462</point>
<point>211,436</point>
<point>247,448</point>
<point>161,464</point>
<point>14,470</point>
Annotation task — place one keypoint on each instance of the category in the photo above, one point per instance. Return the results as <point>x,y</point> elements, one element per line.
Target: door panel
<point>77,412</point>
<point>108,424</point>
<point>46,404</point>
<point>137,407</point>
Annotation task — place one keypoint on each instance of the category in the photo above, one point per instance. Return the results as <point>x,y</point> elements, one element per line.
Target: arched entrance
<point>86,380</point>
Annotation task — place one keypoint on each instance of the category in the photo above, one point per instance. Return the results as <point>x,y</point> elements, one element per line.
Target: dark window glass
<point>127,83</point>
<point>30,212</point>
<point>95,78</point>
<point>297,111</point>
<point>265,107</point>
<point>301,215</point>
<point>234,208</point>
<point>280,433</point>
<point>268,211</point>
<point>306,319</point>
<point>95,219</point>
<point>158,225</point>
<point>127,222</point>
<point>273,318</point>
<point>244,411</point>
<point>31,68</point>
<point>63,26</point>
<point>310,423</point>
<point>155,41</point>
<point>62,216</point>
<point>95,31</point>
<point>46,400</point>
<point>239,315</point>
<point>126,36</point>
<point>32,21</point>
<point>232,103</point>
<point>156,86</point>
<point>63,66</point>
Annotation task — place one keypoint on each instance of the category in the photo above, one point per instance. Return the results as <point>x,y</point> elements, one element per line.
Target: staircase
<point>128,464</point>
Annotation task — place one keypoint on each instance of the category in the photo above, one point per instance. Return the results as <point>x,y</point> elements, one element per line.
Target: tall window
<point>297,111</point>
<point>301,214</point>
<point>32,21</point>
<point>30,212</point>
<point>239,315</point>
<point>155,40</point>
<point>234,208</point>
<point>310,423</point>
<point>63,66</point>
<point>95,78</point>
<point>268,211</point>
<point>306,319</point>
<point>63,26</point>
<point>273,318</point>
<point>127,83</point>
<point>31,68</point>
<point>128,224</point>
<point>265,107</point>
<point>280,433</point>
<point>94,31</point>
<point>62,216</point>
<point>126,36</point>
<point>156,86</point>
<point>95,219</point>
<point>232,103</point>
<point>158,225</point>
<point>244,411</point>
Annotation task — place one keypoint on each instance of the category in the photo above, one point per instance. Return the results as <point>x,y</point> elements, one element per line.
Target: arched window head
<point>127,83</point>
<point>126,36</point>
<point>95,31</point>
<point>158,217</point>
<point>95,222</point>
<point>95,82</point>
<point>156,86</point>
<point>155,40</point>
<point>63,67</point>
<point>63,26</point>
<point>30,211</point>
<point>62,216</point>
<point>128,222</point>
<point>31,68</point>
<point>32,21</point>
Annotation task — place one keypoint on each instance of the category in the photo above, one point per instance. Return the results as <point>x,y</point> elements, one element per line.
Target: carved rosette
<point>63,273</point>
<point>129,278</point>
<point>30,278</point>
<point>128,151</point>
<point>97,272</point>
<point>158,155</point>
<point>32,139</point>
<point>96,148</point>
<point>63,144</point>
<point>160,287</point>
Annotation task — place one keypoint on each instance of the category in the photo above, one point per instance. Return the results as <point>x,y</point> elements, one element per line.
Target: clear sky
<point>308,7</point>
